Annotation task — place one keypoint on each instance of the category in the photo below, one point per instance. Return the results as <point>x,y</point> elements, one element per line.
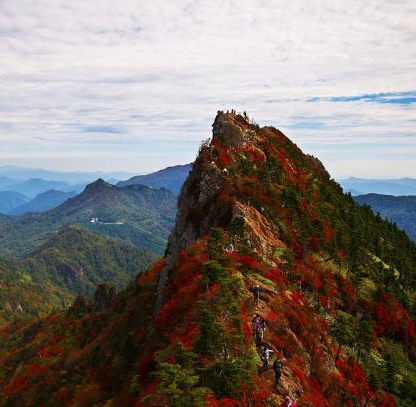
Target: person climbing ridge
<point>278,369</point>
<point>258,338</point>
<point>256,294</point>
<point>263,326</point>
<point>266,357</point>
<point>256,329</point>
<point>256,322</point>
<point>288,402</point>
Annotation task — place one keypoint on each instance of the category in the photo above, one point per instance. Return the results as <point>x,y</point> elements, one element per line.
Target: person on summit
<point>288,402</point>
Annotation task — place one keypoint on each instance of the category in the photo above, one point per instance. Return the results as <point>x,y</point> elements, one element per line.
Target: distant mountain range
<point>396,187</point>
<point>22,173</point>
<point>34,186</point>
<point>171,178</point>
<point>136,214</point>
<point>10,200</point>
<point>35,190</point>
<point>42,202</point>
<point>398,209</point>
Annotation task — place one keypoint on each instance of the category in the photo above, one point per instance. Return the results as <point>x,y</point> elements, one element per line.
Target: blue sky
<point>135,85</point>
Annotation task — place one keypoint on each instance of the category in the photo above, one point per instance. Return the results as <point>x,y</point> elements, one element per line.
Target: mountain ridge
<point>43,202</point>
<point>394,186</point>
<point>171,178</point>
<point>336,288</point>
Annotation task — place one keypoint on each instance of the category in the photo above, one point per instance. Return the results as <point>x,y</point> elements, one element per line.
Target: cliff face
<point>336,290</point>
<point>199,205</point>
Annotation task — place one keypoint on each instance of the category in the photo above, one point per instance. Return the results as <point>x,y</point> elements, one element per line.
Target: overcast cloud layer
<point>135,85</point>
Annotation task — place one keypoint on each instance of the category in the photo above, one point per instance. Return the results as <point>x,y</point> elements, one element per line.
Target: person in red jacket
<point>288,402</point>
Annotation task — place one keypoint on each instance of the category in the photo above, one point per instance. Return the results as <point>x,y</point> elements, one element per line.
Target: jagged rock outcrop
<point>81,305</point>
<point>199,208</point>
<point>104,296</point>
<point>261,235</point>
<point>70,272</point>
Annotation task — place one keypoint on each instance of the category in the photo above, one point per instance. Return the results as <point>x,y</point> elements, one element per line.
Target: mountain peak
<point>231,129</point>
<point>210,198</point>
<point>98,186</point>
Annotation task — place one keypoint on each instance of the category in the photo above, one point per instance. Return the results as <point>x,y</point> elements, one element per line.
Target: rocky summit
<point>274,284</point>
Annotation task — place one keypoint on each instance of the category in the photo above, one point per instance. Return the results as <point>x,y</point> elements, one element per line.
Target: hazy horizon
<point>133,173</point>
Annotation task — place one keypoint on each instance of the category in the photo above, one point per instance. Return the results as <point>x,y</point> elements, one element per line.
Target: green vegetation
<point>135,214</point>
<point>400,210</point>
<point>73,263</point>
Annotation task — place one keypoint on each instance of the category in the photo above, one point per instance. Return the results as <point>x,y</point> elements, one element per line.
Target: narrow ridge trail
<point>262,309</point>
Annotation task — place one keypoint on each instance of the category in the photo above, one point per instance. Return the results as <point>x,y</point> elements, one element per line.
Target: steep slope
<point>171,178</point>
<point>42,202</point>
<point>135,214</point>
<point>74,262</point>
<point>398,209</point>
<point>336,287</point>
<point>10,200</point>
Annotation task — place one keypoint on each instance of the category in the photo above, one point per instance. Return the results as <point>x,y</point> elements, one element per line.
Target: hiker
<point>257,337</point>
<point>263,326</point>
<point>288,402</point>
<point>278,369</point>
<point>256,322</point>
<point>266,357</point>
<point>256,294</point>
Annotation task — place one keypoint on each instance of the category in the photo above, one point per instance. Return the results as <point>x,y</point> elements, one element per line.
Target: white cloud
<point>159,71</point>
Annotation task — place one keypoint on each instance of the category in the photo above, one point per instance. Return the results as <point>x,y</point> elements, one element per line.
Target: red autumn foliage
<point>328,232</point>
<point>393,318</point>
<point>276,276</point>
<point>387,401</point>
<point>224,159</point>
<point>341,365</point>
<point>296,297</point>
<point>272,316</point>
<point>314,243</point>
<point>145,366</point>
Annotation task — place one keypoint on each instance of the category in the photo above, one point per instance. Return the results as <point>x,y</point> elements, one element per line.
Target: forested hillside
<point>74,262</point>
<point>398,209</point>
<point>135,214</point>
<point>256,215</point>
